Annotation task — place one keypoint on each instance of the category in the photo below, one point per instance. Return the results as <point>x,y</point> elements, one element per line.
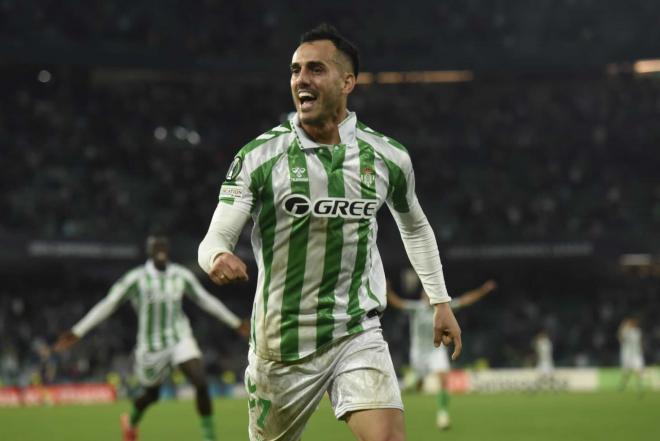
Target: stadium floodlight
<point>639,259</point>
<point>647,66</point>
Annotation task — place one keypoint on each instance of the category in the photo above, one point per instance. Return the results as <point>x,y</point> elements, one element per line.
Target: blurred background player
<point>164,338</point>
<point>545,364</point>
<point>424,357</point>
<point>632,356</point>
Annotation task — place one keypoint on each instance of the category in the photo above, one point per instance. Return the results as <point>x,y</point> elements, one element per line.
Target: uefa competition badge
<point>234,168</point>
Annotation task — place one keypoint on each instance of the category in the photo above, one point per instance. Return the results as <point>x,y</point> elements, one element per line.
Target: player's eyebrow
<point>310,64</point>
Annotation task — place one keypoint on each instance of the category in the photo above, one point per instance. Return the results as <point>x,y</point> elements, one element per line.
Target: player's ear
<point>349,82</point>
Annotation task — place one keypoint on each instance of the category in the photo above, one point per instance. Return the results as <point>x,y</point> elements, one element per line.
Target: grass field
<point>542,417</point>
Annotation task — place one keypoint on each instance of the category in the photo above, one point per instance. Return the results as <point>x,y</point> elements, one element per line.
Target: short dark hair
<point>325,31</point>
<point>154,238</point>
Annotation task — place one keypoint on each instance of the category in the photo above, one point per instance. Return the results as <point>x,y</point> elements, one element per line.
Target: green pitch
<point>552,417</point>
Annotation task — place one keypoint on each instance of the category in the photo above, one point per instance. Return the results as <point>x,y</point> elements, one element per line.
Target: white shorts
<point>545,367</point>
<point>356,372</point>
<point>436,360</point>
<point>633,362</point>
<point>151,368</point>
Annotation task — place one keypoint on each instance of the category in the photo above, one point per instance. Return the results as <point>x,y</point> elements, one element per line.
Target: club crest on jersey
<point>299,174</point>
<point>368,176</point>
<point>234,168</point>
<point>298,205</point>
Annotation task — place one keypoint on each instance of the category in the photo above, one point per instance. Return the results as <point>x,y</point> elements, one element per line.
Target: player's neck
<point>160,266</point>
<point>326,132</point>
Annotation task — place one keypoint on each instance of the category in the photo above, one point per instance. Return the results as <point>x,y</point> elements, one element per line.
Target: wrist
<point>216,255</point>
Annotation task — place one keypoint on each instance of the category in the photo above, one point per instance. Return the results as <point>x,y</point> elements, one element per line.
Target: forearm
<point>421,247</point>
<point>394,300</point>
<point>217,309</point>
<point>223,233</point>
<point>96,315</point>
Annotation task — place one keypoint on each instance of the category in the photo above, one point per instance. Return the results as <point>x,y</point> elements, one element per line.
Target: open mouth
<point>307,100</point>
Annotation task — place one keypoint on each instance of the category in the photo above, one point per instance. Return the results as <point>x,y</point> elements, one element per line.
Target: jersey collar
<point>152,270</point>
<point>347,132</point>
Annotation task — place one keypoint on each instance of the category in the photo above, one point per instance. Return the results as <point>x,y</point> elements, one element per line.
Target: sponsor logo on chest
<point>299,205</point>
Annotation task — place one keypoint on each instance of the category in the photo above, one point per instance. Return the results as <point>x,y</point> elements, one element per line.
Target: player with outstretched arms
<point>424,358</point>
<point>164,339</point>
<point>312,187</point>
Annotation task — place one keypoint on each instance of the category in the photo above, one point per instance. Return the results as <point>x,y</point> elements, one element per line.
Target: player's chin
<point>309,118</point>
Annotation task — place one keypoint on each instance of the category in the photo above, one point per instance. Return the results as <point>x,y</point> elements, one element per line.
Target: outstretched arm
<point>211,304</point>
<point>101,311</point>
<point>470,297</point>
<point>393,298</point>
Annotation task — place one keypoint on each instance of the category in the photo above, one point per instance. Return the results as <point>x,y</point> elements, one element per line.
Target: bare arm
<point>393,298</point>
<point>470,297</point>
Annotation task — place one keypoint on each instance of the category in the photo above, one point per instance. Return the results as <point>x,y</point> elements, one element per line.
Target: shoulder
<point>268,144</point>
<point>133,275</point>
<point>181,271</point>
<point>387,147</point>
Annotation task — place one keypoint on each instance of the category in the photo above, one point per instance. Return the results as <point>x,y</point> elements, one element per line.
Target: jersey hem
<point>369,323</point>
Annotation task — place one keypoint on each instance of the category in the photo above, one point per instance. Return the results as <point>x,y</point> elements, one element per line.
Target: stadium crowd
<point>467,30</point>
<point>495,161</point>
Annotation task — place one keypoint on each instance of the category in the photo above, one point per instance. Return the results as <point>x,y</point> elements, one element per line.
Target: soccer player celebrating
<point>631,355</point>
<point>423,358</point>
<point>313,186</point>
<point>164,337</point>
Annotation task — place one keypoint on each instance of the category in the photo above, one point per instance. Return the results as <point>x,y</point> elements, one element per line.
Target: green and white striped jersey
<point>156,297</point>
<point>314,235</point>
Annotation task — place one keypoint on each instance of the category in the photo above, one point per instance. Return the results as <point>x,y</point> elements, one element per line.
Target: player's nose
<point>302,79</point>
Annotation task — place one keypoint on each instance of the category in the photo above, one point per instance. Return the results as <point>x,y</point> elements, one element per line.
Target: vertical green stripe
<point>334,243</point>
<point>163,324</point>
<point>254,332</point>
<point>140,304</point>
<point>398,186</point>
<point>368,191</point>
<point>295,271</point>
<point>163,313</point>
<point>131,291</point>
<point>190,289</point>
<point>178,284</point>
<point>150,314</point>
<point>370,293</point>
<point>175,322</point>
<point>262,188</point>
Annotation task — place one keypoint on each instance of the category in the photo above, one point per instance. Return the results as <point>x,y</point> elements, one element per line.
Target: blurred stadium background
<point>533,127</point>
